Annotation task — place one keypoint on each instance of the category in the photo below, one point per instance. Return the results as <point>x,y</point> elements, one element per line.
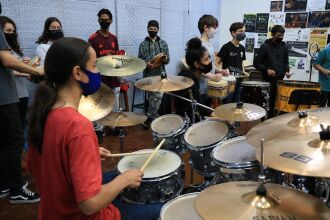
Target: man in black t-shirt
<point>232,55</point>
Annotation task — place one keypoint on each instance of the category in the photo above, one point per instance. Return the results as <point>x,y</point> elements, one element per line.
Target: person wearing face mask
<point>232,55</point>
<point>199,61</point>
<point>152,46</point>
<point>272,61</point>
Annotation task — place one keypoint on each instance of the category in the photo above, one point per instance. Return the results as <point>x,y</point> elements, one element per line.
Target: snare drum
<point>200,139</point>
<point>236,160</point>
<point>182,207</point>
<point>171,127</point>
<point>256,92</point>
<point>231,83</point>
<point>217,89</point>
<point>284,90</point>
<point>162,178</point>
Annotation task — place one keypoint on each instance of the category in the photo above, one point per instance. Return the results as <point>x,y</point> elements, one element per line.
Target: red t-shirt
<point>104,46</point>
<point>69,169</point>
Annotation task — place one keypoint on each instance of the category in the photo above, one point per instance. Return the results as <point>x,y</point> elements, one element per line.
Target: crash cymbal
<point>120,65</point>
<point>288,125</point>
<point>122,119</point>
<point>97,105</point>
<point>238,201</point>
<point>168,84</point>
<point>240,112</point>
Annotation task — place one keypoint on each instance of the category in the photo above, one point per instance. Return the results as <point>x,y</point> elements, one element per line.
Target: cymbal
<point>233,112</point>
<point>238,201</point>
<point>122,119</point>
<point>169,84</point>
<point>287,125</point>
<point>120,65</point>
<point>97,105</point>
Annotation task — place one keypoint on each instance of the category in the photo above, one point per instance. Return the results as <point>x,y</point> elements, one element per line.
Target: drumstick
<point>128,154</point>
<point>152,155</point>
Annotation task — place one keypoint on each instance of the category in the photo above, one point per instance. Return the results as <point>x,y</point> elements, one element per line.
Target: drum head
<point>229,78</point>
<point>206,133</point>
<point>167,124</point>
<point>181,207</point>
<point>221,83</point>
<point>255,83</point>
<point>163,163</point>
<point>235,152</point>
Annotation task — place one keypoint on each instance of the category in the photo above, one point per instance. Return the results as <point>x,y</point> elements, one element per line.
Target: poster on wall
<point>319,36</point>
<point>328,40</point>
<point>297,48</point>
<point>296,34</point>
<point>249,45</point>
<point>295,5</point>
<point>275,19</point>
<point>249,21</point>
<point>276,6</point>
<point>327,5</point>
<point>262,22</point>
<point>316,5</point>
<point>296,20</point>
<point>261,39</point>
<point>319,19</point>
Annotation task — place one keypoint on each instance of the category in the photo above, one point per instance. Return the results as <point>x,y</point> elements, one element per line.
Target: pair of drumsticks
<point>153,153</point>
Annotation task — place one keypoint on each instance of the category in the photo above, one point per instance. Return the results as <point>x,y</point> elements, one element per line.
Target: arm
<point>286,61</point>
<point>319,61</point>
<point>322,69</point>
<point>167,53</point>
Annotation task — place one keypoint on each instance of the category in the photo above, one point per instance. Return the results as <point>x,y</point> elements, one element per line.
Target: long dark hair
<point>44,38</point>
<point>61,58</point>
<point>14,45</point>
<point>194,52</point>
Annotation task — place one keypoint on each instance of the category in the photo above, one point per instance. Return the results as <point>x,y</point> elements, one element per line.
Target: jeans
<point>325,99</point>
<point>11,145</point>
<point>130,211</point>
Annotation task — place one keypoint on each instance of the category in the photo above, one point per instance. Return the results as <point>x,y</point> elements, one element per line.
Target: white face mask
<point>211,32</point>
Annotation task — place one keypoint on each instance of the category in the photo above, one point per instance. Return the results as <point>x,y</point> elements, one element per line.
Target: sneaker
<point>23,195</point>
<point>4,192</point>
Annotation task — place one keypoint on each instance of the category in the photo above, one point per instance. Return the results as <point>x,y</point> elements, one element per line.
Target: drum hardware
<point>313,51</point>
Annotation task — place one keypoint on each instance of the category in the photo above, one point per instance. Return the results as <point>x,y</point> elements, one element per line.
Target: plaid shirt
<point>148,50</point>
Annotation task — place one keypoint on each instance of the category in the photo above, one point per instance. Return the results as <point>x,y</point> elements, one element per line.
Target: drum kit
<point>292,145</point>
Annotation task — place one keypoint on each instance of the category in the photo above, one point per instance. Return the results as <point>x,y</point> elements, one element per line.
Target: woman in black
<point>199,61</point>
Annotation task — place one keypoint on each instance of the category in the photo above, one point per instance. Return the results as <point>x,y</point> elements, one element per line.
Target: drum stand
<point>122,135</point>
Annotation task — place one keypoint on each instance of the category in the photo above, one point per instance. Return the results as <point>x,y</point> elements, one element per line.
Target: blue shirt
<point>323,59</point>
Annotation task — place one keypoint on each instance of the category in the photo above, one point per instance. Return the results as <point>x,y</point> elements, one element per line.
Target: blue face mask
<point>93,84</point>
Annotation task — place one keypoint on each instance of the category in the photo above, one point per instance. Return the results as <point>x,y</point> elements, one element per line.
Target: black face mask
<point>104,25</point>
<point>206,68</point>
<point>55,34</point>
<point>153,34</point>
<point>10,38</point>
<point>278,40</point>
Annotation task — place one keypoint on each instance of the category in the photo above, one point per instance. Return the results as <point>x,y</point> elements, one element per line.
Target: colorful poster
<point>328,40</point>
<point>316,5</point>
<point>318,36</point>
<point>275,19</point>
<point>292,62</point>
<point>249,45</point>
<point>249,21</point>
<point>301,64</point>
<point>297,48</point>
<point>296,20</point>
<point>296,34</point>
<point>261,39</point>
<point>319,19</point>
<point>276,6</point>
<point>327,5</point>
<point>295,5</point>
<point>262,22</point>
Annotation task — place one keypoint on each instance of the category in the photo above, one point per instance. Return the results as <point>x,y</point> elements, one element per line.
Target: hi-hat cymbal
<point>120,65</point>
<point>169,84</point>
<point>238,201</point>
<point>97,105</point>
<point>288,125</point>
<point>235,112</point>
<point>122,119</point>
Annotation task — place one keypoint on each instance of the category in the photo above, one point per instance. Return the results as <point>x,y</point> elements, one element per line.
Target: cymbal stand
<point>122,133</point>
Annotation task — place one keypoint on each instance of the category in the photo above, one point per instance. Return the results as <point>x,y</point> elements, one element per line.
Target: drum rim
<point>169,202</point>
<point>201,148</point>
<point>183,125</point>
<point>158,178</point>
<point>229,165</point>
<point>262,84</point>
<point>299,82</point>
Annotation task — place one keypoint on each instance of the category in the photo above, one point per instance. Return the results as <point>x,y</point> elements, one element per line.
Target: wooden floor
<point>137,138</point>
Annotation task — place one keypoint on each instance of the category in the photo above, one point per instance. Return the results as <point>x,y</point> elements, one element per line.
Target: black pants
<point>11,142</point>
<point>325,99</point>
<point>22,107</point>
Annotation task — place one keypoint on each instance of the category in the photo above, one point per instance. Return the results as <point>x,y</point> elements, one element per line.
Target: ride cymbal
<point>97,105</point>
<point>122,119</point>
<point>238,201</point>
<point>239,112</point>
<point>120,65</point>
<point>168,84</point>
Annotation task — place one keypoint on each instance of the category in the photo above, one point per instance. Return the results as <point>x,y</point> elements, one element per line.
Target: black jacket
<point>272,56</point>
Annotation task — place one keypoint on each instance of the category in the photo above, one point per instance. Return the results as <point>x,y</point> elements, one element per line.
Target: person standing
<point>322,64</point>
